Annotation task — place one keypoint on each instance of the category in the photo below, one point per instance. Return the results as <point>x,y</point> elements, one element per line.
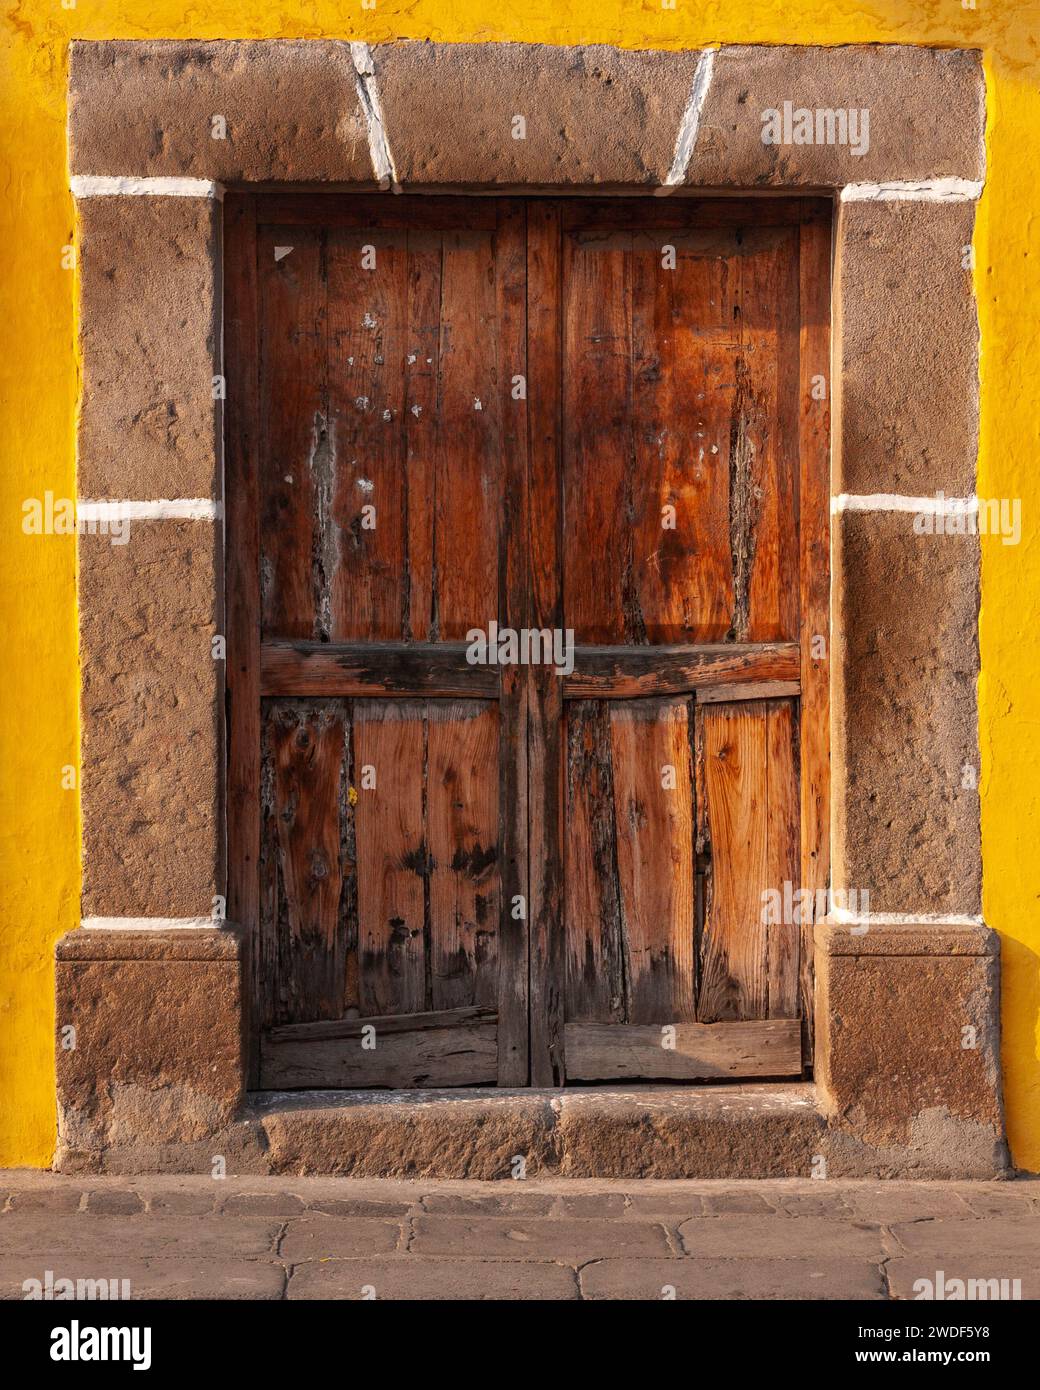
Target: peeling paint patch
<point>946,190</point>
<point>368,95</point>
<point>686,138</point>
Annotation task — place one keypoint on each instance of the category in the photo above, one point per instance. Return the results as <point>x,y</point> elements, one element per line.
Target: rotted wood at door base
<point>576,415</point>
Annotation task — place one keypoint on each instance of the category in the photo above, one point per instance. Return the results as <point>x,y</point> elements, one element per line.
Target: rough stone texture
<point>433,1280</point>
<point>149,332</point>
<point>152,721</point>
<point>891,1061</point>
<point>905,827</point>
<point>473,1134</point>
<point>909,349</point>
<point>560,1239</point>
<point>772,1279</point>
<point>593,115</point>
<point>145,108</point>
<point>959,1240</point>
<point>992,1275</point>
<point>652,1132</point>
<point>119,1235</point>
<point>927,114</point>
<point>198,1237</point>
<point>158,1048</point>
<point>894,938</point>
<point>203,1275</point>
<point>92,943</point>
<point>239,1144</point>
<point>769,1237</point>
<point>328,1238</point>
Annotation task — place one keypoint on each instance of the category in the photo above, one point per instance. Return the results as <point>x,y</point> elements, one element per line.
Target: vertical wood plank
<point>682,383</point>
<point>747,807</point>
<point>293,436</point>
<point>654,816</point>
<point>600,602</point>
<point>732,802</point>
<point>242,540</point>
<point>392,856</point>
<point>423,424</point>
<point>765,494</point>
<point>814,547</point>
<point>469,477</point>
<point>363,567</point>
<point>462,828</point>
<point>596,967</point>
<point>307,751</point>
<point>544,607</point>
<point>514,1053</point>
<point>783,939</point>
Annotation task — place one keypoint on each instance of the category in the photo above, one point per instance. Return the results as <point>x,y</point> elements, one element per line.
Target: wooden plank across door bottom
<point>452,1047</point>
<point>688,1052</point>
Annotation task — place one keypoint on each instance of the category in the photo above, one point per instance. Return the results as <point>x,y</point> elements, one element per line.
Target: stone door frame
<point>907,1019</point>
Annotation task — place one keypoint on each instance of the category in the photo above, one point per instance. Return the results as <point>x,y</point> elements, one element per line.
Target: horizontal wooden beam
<point>616,673</point>
<point>325,1028</point>
<point>312,205</point>
<point>694,212</point>
<point>689,1052</point>
<point>452,1047</point>
<point>754,690</point>
<point>745,671</point>
<point>375,669</point>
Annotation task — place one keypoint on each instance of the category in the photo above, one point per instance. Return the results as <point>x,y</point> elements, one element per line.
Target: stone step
<point>739,1131</point>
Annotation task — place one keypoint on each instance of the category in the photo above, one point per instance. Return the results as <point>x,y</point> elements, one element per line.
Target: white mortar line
<point>895,502</point>
<point>841,916</point>
<point>150,923</point>
<point>368,95</point>
<point>112,186</point>
<point>945,190</point>
<point>686,139</point>
<point>162,509</point>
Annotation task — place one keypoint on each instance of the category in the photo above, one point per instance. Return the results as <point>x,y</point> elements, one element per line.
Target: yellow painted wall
<point>38,733</point>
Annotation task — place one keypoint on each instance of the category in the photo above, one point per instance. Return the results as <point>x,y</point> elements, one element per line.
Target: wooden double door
<point>527,584</point>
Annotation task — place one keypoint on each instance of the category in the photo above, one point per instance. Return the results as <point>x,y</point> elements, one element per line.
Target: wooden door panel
<point>455,1047</point>
<point>680,421</point>
<point>514,874</point>
<point>747,839</point>
<point>629,867</point>
<point>292,393</point>
<point>682,1051</point>
<point>383,465</point>
<point>462,799</point>
<point>367,484</point>
<point>392,856</point>
<point>308,932</point>
<point>682,366</point>
<point>380,853</point>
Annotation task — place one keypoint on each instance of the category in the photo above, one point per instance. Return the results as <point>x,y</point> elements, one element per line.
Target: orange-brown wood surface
<point>585,416</point>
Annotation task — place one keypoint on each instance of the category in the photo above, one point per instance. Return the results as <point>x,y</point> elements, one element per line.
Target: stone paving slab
<point>541,1239</point>
<point>685,1280</point>
<point>406,1278</point>
<point>161,1278</point>
<point>559,1238</point>
<point>767,1237</point>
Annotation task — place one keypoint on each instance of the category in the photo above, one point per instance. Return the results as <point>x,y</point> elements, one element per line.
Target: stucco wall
<point>39,832</point>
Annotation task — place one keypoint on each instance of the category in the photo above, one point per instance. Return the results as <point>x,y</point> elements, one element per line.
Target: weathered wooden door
<point>601,422</point>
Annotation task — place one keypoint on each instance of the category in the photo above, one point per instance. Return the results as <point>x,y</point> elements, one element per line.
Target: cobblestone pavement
<point>307,1238</point>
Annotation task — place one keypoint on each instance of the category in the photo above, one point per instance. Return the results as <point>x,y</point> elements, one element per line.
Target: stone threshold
<point>761,1130</point>
<point>642,1131</point>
